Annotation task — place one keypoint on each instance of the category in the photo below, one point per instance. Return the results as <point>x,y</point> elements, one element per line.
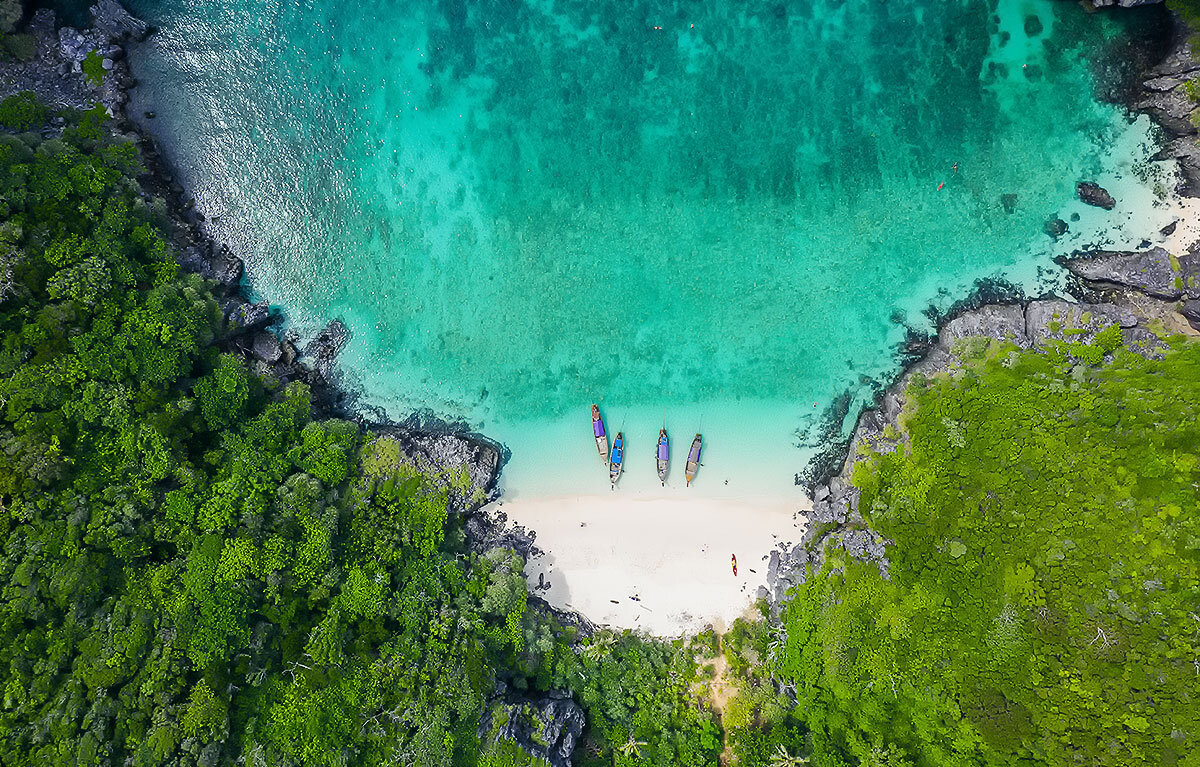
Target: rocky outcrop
<point>266,347</point>
<point>115,23</point>
<point>547,727</point>
<point>1154,272</point>
<point>466,464</point>
<point>241,316</point>
<point>1191,312</point>
<point>836,520</point>
<point>213,262</point>
<point>323,349</point>
<point>1166,96</point>
<point>1095,195</point>
<point>1122,3</point>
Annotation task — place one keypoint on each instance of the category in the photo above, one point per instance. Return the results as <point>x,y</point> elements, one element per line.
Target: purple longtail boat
<point>693,461</point>
<point>601,436</point>
<point>664,456</point>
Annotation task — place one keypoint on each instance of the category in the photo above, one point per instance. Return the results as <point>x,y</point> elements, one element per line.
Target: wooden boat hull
<point>616,459</point>
<point>600,434</point>
<point>663,455</point>
<point>693,461</point>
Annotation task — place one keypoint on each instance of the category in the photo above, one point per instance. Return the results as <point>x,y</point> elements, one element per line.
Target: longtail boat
<point>693,461</point>
<point>601,436</point>
<point>664,456</point>
<point>616,460</point>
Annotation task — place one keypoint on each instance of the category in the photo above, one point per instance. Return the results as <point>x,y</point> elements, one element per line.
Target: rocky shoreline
<point>1142,291</point>
<point>1132,288</point>
<point>1136,290</point>
<point>548,725</point>
<point>56,74</point>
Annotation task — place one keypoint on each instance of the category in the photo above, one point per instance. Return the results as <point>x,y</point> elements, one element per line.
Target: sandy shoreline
<point>660,563</point>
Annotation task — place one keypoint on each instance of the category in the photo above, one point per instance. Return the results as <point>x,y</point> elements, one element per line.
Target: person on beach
<point>734,557</point>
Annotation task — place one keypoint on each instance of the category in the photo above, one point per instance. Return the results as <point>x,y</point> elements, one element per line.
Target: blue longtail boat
<point>616,459</point>
<point>664,456</point>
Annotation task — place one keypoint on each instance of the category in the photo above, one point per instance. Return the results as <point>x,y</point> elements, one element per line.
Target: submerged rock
<point>1055,227</point>
<point>1094,194</point>
<point>328,343</point>
<point>1009,202</point>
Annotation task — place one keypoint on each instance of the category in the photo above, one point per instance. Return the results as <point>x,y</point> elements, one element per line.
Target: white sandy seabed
<point>649,557</point>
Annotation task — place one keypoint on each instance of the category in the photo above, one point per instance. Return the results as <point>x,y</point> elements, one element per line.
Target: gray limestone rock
<point>116,23</point>
<point>1050,319</point>
<point>243,316</point>
<point>998,322</point>
<point>266,347</point>
<point>1149,271</point>
<point>1144,342</point>
<point>1172,109</point>
<point>1191,312</point>
<point>467,466</point>
<point>547,727</point>
<point>1189,274</point>
<point>1096,195</point>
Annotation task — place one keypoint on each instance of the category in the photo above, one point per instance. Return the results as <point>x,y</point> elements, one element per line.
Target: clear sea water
<point>714,213</point>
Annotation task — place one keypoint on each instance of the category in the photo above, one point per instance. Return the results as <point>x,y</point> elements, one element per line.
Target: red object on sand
<point>734,556</point>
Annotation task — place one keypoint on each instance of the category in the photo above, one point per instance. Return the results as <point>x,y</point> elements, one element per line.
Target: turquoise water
<point>694,211</point>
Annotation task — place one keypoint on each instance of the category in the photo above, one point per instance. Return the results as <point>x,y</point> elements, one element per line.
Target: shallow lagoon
<point>717,214</point>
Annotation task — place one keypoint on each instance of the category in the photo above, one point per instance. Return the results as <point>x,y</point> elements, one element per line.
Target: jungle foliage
<point>1044,580</point>
<point>195,571</point>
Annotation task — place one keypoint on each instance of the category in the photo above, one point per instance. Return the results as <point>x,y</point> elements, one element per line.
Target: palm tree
<point>783,759</point>
<point>598,647</point>
<point>632,747</point>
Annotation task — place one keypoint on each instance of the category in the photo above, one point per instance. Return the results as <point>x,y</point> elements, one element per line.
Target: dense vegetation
<point>1045,574</point>
<point>195,571</point>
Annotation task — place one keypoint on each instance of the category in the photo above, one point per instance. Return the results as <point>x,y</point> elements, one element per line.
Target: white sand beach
<point>660,563</point>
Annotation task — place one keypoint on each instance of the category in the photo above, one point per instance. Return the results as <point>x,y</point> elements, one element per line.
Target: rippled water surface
<point>712,210</point>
